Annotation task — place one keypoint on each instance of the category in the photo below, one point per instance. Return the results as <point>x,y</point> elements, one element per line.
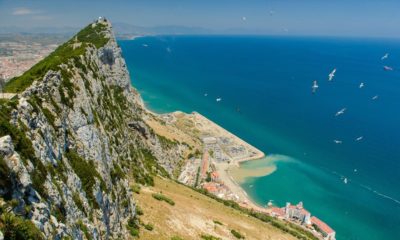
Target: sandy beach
<point>190,127</point>
<point>225,169</point>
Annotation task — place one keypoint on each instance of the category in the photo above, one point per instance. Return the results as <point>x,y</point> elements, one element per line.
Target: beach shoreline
<point>224,169</point>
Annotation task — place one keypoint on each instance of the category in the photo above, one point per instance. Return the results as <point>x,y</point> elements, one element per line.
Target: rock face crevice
<point>84,124</point>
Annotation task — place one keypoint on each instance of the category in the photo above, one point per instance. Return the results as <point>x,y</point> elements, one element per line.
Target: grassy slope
<point>194,214</point>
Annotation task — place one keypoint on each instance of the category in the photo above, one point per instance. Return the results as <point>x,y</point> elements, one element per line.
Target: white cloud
<point>22,11</point>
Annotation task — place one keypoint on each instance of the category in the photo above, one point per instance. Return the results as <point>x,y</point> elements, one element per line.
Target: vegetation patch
<point>139,210</point>
<point>237,234</point>
<point>140,176</point>
<point>133,227</point>
<point>161,197</point>
<point>15,227</point>
<point>49,116</point>
<point>84,229</point>
<point>218,222</point>
<point>86,171</point>
<point>5,180</point>
<point>136,188</point>
<point>209,237</point>
<point>151,164</point>
<point>78,202</point>
<point>176,238</point>
<point>148,226</point>
<point>116,173</point>
<point>59,212</point>
<point>166,143</point>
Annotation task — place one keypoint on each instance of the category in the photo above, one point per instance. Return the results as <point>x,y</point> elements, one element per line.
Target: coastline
<point>224,186</point>
<point>224,169</point>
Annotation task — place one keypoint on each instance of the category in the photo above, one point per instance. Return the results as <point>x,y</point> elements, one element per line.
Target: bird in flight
<point>361,85</point>
<point>314,87</point>
<point>375,97</point>
<point>337,141</point>
<point>359,138</point>
<point>385,56</point>
<point>332,74</point>
<point>387,68</point>
<point>340,112</point>
<point>218,99</point>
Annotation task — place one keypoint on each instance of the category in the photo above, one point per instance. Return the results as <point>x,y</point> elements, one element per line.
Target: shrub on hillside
<point>161,197</point>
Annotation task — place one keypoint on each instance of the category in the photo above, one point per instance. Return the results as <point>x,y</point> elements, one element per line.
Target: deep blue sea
<point>265,86</point>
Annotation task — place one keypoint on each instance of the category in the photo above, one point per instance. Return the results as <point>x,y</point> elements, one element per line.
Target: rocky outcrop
<point>83,123</point>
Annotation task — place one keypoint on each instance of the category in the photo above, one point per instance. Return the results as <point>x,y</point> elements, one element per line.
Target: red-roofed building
<point>277,212</point>
<point>323,228</point>
<point>210,187</point>
<point>214,176</point>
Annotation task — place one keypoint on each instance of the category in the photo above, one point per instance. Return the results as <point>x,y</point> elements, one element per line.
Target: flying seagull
<point>340,112</point>
<point>387,68</point>
<point>345,180</point>
<point>361,85</point>
<point>375,97</point>
<point>145,45</point>
<point>205,94</point>
<point>218,99</point>
<point>359,139</point>
<point>385,56</point>
<point>332,74</point>
<point>337,141</point>
<point>314,87</point>
<point>244,18</point>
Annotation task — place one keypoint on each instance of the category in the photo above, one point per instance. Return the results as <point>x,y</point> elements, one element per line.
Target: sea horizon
<point>265,86</point>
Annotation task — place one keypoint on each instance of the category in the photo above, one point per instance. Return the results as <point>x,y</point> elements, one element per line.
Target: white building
<point>297,212</point>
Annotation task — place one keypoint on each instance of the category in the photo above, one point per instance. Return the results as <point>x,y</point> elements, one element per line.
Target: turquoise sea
<point>265,86</point>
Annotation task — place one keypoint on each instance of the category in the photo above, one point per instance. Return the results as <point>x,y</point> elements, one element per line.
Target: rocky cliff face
<point>74,136</point>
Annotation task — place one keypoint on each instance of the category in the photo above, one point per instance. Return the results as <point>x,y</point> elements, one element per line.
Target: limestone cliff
<point>72,138</point>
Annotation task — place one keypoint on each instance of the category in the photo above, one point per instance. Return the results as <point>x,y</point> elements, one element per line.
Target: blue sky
<point>377,18</point>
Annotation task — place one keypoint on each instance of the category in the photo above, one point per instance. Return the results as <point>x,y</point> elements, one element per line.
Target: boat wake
<point>380,194</point>
<point>368,188</point>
